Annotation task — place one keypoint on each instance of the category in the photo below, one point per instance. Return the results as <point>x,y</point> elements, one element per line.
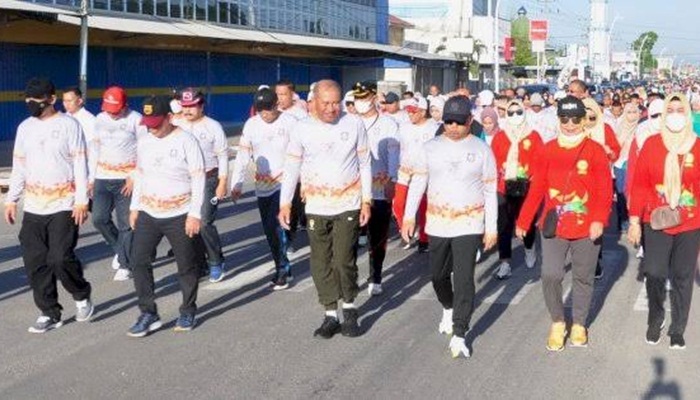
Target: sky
<point>675,21</point>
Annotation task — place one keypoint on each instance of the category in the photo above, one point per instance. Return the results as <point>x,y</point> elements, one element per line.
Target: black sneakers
<point>653,335</point>
<point>423,247</point>
<point>677,342</point>
<point>350,327</point>
<point>328,328</point>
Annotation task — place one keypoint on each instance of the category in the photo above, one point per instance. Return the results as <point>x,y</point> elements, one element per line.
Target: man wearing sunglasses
<point>458,171</point>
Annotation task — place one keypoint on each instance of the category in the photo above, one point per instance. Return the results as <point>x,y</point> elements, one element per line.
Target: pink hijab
<point>490,112</point>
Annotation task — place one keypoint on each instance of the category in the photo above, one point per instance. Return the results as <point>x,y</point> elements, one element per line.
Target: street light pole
<point>496,58</point>
<point>82,79</point>
<point>641,49</point>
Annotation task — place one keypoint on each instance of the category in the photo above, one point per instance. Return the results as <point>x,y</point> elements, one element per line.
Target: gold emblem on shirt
<point>689,160</point>
<point>527,144</point>
<point>582,167</point>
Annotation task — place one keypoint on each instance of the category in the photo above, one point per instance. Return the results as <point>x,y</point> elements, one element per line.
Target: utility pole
<point>82,79</point>
<point>641,49</point>
<point>496,58</point>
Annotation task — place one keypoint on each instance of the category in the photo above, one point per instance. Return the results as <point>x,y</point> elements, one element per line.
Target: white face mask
<point>675,122</point>
<point>656,123</point>
<point>571,139</point>
<point>363,106</point>
<point>516,120</point>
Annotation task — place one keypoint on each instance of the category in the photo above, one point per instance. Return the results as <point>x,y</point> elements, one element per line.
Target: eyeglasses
<point>451,121</point>
<point>511,113</point>
<point>566,120</point>
<point>655,116</point>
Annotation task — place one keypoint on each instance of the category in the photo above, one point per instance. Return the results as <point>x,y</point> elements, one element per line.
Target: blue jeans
<point>269,207</point>
<point>106,198</point>
<point>209,233</point>
<point>620,183</point>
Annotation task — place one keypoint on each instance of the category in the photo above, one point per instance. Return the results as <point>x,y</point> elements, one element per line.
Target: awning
<point>164,26</point>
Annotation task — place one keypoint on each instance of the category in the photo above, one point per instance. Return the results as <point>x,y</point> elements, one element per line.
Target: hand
<point>389,191</point>
<point>408,228</point>
<point>285,216</point>
<point>520,233</point>
<point>365,214</point>
<point>235,194</point>
<point>192,225</point>
<point>128,187</point>
<point>80,213</point>
<point>596,230</point>
<point>221,189</point>
<point>10,213</point>
<point>133,216</point>
<point>634,234</point>
<point>490,240</point>
<point>91,189</point>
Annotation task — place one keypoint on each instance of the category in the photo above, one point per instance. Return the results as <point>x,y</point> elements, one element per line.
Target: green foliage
<point>520,32</point>
<point>649,39</point>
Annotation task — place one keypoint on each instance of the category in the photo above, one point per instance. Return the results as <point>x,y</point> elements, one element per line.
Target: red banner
<point>508,49</point>
<point>538,30</point>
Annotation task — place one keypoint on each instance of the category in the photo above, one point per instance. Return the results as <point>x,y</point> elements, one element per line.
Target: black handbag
<point>551,219</point>
<point>517,187</point>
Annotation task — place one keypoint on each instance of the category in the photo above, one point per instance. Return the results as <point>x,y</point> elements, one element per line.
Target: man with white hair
<point>483,100</point>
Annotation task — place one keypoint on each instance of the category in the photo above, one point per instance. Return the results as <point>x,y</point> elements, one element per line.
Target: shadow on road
<point>660,388</point>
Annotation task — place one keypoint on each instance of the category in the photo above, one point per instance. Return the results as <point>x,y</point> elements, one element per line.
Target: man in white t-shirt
<point>75,107</point>
<point>212,141</point>
<point>112,163</point>
<point>264,142</point>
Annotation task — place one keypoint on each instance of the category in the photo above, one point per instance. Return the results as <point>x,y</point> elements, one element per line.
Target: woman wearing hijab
<point>664,206</point>
<point>515,147</point>
<point>489,120</point>
<point>625,137</point>
<point>575,184</point>
<point>603,134</point>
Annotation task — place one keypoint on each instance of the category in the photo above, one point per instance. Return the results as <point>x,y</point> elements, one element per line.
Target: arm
<point>603,189</point>
<point>631,164</point>
<point>365,163</point>
<point>612,143</point>
<point>417,187</point>
<point>19,170</point>
<point>243,157</point>
<point>195,163</point>
<point>489,177</point>
<point>292,168</point>
<point>393,155</point>
<point>80,169</point>
<point>221,149</point>
<point>642,186</point>
<point>536,193</point>
<point>93,147</point>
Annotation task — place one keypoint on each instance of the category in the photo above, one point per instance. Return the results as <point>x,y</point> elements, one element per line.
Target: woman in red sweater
<point>667,176</point>
<point>515,147</point>
<point>573,180</point>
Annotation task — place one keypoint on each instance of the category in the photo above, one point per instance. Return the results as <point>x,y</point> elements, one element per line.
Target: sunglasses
<point>511,113</point>
<point>592,118</point>
<point>451,121</point>
<point>566,120</point>
<point>655,116</point>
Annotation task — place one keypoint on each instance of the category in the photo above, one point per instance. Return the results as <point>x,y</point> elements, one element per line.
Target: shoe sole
<point>661,328</point>
<point>49,328</point>
<point>278,288</point>
<point>318,335</point>
<point>560,349</point>
<point>352,334</point>
<point>676,347</point>
<point>584,345</point>
<point>121,279</point>
<point>183,329</point>
<point>216,280</point>
<point>86,318</point>
<point>151,328</point>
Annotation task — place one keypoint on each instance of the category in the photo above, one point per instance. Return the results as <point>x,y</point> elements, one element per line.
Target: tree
<point>649,40</point>
<point>520,31</point>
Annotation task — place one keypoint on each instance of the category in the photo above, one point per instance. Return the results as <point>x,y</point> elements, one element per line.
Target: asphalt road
<point>253,343</point>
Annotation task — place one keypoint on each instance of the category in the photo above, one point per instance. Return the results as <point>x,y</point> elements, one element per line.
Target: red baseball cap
<point>190,97</point>
<point>114,99</point>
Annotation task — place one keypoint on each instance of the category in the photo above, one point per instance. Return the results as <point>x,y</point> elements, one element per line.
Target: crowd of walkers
<point>457,174</point>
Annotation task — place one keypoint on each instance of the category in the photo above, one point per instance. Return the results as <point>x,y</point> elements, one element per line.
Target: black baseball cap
<point>190,97</point>
<point>457,109</point>
<point>155,111</point>
<point>364,89</point>
<point>265,100</point>
<point>390,98</point>
<point>39,88</point>
<point>571,106</point>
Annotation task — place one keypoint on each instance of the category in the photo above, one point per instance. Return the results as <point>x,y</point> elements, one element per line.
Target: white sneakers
<point>122,274</point>
<point>374,289</point>
<point>445,326</point>
<point>459,348</point>
<point>115,262</point>
<point>530,258</point>
<point>503,271</point>
<point>640,252</point>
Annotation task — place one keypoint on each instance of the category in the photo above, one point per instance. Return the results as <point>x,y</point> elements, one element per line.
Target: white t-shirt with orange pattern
<point>266,145</point>
<point>212,140</point>
<point>411,139</point>
<point>112,152</point>
<point>334,163</point>
<point>49,165</point>
<point>170,177</point>
<point>382,135</point>
<point>460,177</point>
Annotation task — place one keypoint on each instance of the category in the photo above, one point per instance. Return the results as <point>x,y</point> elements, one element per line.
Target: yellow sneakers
<point>579,336</point>
<point>557,336</point>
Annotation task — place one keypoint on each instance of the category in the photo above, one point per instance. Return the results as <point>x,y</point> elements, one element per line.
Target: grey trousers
<point>584,256</point>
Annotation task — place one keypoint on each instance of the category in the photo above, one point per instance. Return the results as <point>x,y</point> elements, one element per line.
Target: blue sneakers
<point>216,273</point>
<point>185,323</point>
<point>145,324</point>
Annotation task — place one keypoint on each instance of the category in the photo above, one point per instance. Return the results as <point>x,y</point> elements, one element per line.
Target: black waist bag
<point>517,187</point>
<point>549,226</point>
